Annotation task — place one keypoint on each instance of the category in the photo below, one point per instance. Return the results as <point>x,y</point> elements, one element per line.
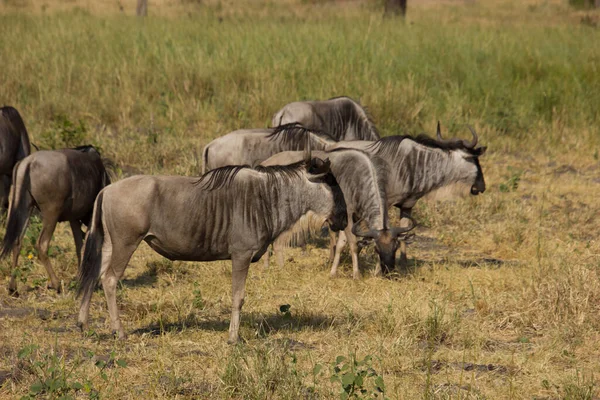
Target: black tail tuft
<point>91,262</point>
<point>19,210</point>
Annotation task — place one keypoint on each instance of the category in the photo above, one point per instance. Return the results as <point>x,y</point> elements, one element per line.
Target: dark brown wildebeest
<point>14,146</point>
<point>63,185</point>
<point>415,167</point>
<point>362,180</point>
<point>252,146</point>
<point>340,117</point>
<point>232,212</point>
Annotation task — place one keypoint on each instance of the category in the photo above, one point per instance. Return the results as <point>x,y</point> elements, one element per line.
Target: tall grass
<point>198,77</point>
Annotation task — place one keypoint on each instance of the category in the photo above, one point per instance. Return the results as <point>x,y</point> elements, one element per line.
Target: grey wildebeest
<point>415,167</point>
<point>252,146</point>
<point>63,185</point>
<point>14,146</point>
<point>340,117</point>
<point>361,179</point>
<point>232,212</point>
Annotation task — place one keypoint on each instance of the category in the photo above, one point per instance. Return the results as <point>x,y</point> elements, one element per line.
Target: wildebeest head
<point>318,171</point>
<point>386,242</point>
<point>467,159</point>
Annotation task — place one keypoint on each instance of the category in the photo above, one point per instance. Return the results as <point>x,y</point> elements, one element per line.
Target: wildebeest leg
<point>267,256</point>
<point>404,222</point>
<point>5,181</point>
<point>240,264</point>
<point>115,257</point>
<point>332,245</point>
<point>49,220</point>
<point>279,250</point>
<point>378,271</point>
<point>338,253</point>
<point>12,285</point>
<point>78,237</point>
<point>353,252</point>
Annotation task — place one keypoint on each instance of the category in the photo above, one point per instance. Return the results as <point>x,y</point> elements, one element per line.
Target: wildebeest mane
<point>295,135</point>
<point>352,115</point>
<point>389,145</point>
<point>224,176</point>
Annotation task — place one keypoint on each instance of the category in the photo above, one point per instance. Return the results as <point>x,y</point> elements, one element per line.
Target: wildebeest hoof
<point>13,292</point>
<point>82,327</point>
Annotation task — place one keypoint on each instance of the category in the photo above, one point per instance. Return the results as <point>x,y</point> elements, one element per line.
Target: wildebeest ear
<point>481,150</point>
<point>318,166</point>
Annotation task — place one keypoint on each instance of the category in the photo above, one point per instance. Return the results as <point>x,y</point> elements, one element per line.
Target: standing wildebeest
<point>361,179</point>
<point>341,117</point>
<point>415,167</point>
<point>251,146</point>
<point>233,212</point>
<point>14,146</point>
<point>63,185</point>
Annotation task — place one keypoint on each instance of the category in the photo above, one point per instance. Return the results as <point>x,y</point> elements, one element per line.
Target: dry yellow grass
<point>502,300</point>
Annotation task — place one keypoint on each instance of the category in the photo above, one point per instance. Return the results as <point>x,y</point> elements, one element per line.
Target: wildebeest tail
<point>205,158</point>
<point>19,207</point>
<point>91,261</point>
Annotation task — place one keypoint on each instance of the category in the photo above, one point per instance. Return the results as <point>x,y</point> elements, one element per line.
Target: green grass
<point>192,79</point>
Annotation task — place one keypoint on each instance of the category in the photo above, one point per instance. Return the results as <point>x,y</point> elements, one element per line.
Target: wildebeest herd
<point>321,159</point>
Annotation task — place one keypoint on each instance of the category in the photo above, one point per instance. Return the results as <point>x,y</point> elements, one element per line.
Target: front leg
<point>338,253</point>
<point>240,263</point>
<point>353,251</point>
<point>405,214</point>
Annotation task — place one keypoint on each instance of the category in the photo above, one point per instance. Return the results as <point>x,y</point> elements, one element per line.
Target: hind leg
<point>338,253</point>
<point>78,237</point>
<point>12,286</point>
<point>49,220</point>
<point>112,271</point>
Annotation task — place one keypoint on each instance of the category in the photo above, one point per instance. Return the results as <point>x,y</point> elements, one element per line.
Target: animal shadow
<point>261,324</point>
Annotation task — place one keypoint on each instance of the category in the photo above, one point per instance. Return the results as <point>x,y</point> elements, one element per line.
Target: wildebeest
<point>341,117</point>
<point>416,166</point>
<point>63,185</point>
<point>232,212</point>
<point>14,146</point>
<point>361,178</point>
<point>251,146</point>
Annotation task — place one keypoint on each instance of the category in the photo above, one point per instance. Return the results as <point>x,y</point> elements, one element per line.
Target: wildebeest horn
<point>439,132</point>
<point>473,143</point>
<point>367,234</point>
<point>396,231</point>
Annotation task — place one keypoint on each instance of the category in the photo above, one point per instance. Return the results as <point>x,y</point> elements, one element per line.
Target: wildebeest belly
<point>186,251</point>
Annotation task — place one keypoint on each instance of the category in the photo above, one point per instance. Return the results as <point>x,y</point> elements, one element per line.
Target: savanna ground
<point>502,299</point>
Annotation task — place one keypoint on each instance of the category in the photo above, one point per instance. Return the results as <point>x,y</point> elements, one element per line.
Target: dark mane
<point>224,176</point>
<point>353,117</point>
<point>86,148</point>
<point>389,145</point>
<point>295,135</point>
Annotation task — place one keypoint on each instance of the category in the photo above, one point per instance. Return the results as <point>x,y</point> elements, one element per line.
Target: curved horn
<point>439,132</point>
<point>367,234</point>
<point>396,231</point>
<point>473,143</point>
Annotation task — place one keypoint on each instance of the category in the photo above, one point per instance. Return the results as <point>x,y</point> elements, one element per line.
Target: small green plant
<point>357,378</point>
<point>581,389</point>
<point>198,301</point>
<point>64,133</point>
<point>54,378</point>
<point>512,180</point>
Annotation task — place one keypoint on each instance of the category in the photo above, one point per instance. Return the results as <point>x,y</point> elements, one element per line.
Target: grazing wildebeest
<point>361,178</point>
<point>63,185</point>
<point>233,212</point>
<point>14,146</point>
<point>341,117</point>
<point>252,146</point>
<point>415,167</point>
